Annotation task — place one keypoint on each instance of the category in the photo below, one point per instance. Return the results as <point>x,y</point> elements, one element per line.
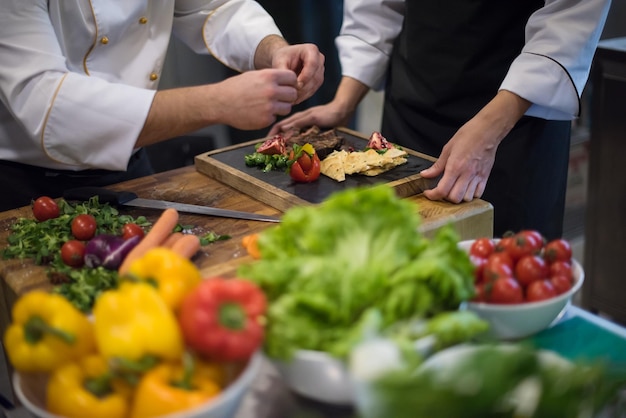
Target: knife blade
<point>125,198</point>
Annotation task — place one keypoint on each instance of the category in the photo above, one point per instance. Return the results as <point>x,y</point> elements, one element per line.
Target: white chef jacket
<point>77,77</point>
<point>550,72</point>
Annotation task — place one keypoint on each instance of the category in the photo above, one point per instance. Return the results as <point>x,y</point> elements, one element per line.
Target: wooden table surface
<point>187,185</point>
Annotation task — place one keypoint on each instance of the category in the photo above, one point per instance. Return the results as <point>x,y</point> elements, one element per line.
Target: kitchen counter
<point>471,220</point>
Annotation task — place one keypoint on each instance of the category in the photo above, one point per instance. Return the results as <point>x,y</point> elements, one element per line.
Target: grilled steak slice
<point>323,142</point>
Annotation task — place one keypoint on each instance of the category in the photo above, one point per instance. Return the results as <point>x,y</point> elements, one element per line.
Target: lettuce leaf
<point>324,266</point>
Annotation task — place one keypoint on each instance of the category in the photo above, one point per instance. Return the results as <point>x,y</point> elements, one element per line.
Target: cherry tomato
<point>530,268</point>
<point>84,227</point>
<point>561,283</point>
<point>479,267</point>
<point>561,268</point>
<point>505,290</point>
<point>540,290</point>
<point>482,247</point>
<point>130,230</point>
<point>504,244</point>
<point>73,253</point>
<point>498,265</point>
<point>536,235</point>
<point>45,208</point>
<point>557,249</point>
<point>521,245</point>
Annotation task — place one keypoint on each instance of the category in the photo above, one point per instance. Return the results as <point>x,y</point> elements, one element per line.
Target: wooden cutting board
<point>276,188</point>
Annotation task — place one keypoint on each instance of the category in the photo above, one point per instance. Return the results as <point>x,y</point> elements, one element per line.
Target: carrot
<point>250,243</point>
<point>155,237</point>
<point>187,245</point>
<point>171,240</point>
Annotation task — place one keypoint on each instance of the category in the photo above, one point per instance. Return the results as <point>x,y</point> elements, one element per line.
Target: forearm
<point>176,112</point>
<point>349,93</point>
<point>502,113</point>
<point>266,49</point>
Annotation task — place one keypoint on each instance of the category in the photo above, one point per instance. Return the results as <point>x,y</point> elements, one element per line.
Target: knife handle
<point>104,195</point>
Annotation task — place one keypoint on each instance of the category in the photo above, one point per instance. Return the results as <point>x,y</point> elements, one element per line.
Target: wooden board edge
<point>253,187</point>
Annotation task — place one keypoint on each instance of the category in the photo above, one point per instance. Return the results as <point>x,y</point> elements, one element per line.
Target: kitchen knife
<point>130,199</point>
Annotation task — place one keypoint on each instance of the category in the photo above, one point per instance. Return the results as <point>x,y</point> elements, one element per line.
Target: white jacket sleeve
<point>61,119</point>
<point>230,30</point>
<point>366,38</point>
<point>554,65</point>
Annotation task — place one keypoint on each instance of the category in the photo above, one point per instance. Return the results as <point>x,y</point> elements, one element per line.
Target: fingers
<point>307,62</point>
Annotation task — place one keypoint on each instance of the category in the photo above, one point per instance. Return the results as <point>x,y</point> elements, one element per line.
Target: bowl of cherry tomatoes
<point>523,283</point>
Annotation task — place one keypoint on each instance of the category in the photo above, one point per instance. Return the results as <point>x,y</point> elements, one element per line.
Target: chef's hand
<point>328,115</point>
<point>307,62</point>
<point>252,100</point>
<point>467,159</point>
<point>337,112</point>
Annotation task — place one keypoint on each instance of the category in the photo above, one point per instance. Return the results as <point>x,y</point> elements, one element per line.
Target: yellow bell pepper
<point>173,274</point>
<point>47,330</point>
<point>86,388</point>
<point>133,322</point>
<point>173,387</point>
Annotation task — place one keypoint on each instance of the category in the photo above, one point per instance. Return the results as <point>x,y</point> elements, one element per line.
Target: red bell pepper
<point>222,319</point>
<point>304,164</point>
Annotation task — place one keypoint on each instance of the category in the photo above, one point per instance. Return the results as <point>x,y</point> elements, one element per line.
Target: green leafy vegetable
<point>492,382</point>
<point>324,266</point>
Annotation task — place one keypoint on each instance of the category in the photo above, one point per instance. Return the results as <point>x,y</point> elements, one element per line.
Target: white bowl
<point>511,322</point>
<point>317,375</point>
<point>30,390</point>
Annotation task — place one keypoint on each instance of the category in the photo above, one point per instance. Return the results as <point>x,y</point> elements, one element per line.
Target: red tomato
<point>505,290</point>
<point>540,290</point>
<point>504,244</point>
<point>530,268</point>
<point>73,253</point>
<point>482,247</point>
<point>561,283</point>
<point>84,227</point>
<point>479,267</point>
<point>557,249</point>
<point>45,208</point>
<point>561,268</point>
<point>523,244</point>
<point>130,230</point>
<point>498,265</point>
<point>536,235</point>
<point>306,168</point>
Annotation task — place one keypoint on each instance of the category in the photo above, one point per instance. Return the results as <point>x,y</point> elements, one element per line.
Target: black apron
<point>448,62</point>
<point>21,183</point>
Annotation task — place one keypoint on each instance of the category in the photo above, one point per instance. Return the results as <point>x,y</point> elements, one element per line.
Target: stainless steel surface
<point>203,210</point>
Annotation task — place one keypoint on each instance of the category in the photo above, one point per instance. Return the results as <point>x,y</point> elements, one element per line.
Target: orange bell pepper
<point>173,387</point>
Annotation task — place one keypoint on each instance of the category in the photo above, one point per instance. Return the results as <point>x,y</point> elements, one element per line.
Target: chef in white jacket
<point>79,78</point>
<point>488,86</point>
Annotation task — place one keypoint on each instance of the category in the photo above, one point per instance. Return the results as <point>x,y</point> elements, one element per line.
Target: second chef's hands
<point>466,160</point>
<point>286,75</point>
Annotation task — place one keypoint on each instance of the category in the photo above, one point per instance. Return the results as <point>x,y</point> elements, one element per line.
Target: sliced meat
<point>323,142</point>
